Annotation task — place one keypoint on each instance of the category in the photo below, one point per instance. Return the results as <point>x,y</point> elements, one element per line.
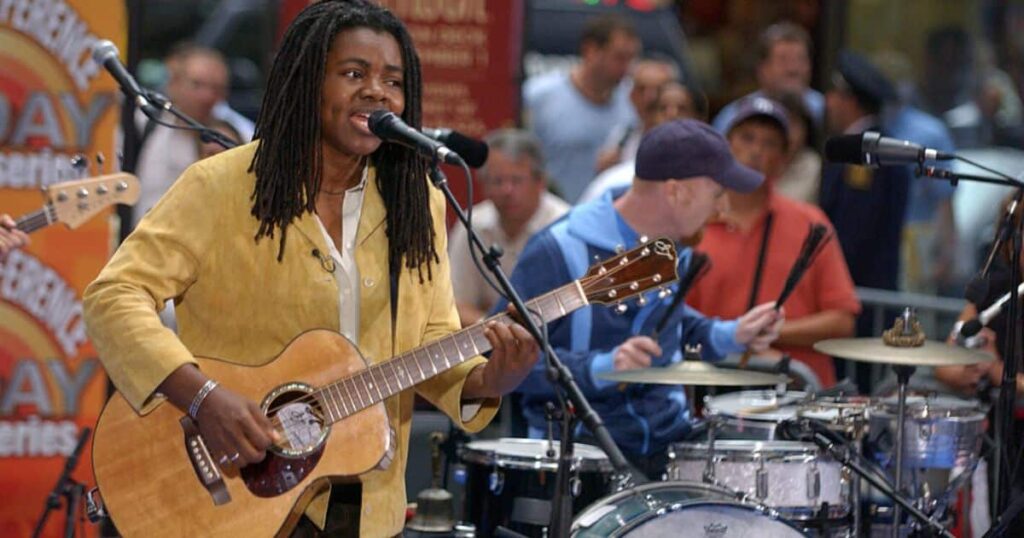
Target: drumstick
<point>698,267</point>
<point>817,236</point>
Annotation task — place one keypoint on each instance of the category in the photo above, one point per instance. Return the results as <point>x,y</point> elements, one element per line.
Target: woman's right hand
<point>235,430</point>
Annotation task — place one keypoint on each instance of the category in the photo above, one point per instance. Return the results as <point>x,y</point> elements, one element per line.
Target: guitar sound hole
<point>300,421</point>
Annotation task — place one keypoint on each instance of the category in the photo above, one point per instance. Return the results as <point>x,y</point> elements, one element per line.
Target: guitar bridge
<point>202,463</point>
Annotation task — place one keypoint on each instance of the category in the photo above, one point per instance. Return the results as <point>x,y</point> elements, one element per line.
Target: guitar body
<point>150,474</point>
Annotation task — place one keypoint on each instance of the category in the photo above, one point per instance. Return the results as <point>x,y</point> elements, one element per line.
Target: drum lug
<point>762,483</point>
<point>496,482</point>
<point>813,483</point>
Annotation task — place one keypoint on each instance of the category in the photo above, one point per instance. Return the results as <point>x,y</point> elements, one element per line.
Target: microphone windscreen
<point>473,151</point>
<point>845,149</point>
<point>971,327</point>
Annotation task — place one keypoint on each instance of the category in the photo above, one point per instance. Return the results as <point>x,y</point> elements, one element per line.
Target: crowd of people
<point>616,150</point>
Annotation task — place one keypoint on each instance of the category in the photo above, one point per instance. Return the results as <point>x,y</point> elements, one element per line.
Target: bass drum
<point>673,509</point>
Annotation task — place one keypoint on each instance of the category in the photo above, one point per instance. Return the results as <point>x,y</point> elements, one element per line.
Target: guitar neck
<point>35,220</point>
<point>380,381</point>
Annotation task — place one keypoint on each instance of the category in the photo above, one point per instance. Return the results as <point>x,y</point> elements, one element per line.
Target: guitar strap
<point>393,270</point>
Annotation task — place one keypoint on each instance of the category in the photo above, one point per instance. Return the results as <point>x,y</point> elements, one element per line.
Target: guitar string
<point>311,398</point>
<point>586,280</point>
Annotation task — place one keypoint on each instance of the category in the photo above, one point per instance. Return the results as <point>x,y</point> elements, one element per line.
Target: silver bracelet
<point>204,391</point>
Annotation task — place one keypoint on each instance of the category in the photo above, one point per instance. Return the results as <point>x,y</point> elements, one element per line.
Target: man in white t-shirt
<point>518,206</point>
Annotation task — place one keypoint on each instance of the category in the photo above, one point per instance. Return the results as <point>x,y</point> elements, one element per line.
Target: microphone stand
<point>206,134</point>
<point>574,404</point>
<point>1005,444</point>
<point>69,488</point>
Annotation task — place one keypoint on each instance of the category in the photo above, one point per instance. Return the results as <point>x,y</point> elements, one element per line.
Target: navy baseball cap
<point>756,106</point>
<point>684,149</point>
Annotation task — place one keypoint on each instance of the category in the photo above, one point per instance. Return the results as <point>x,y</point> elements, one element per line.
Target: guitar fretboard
<point>380,381</point>
<point>35,220</point>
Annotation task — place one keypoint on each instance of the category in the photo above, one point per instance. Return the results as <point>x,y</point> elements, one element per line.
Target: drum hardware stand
<point>840,450</point>
<point>71,489</point>
<point>568,393</point>
<point>1008,231</point>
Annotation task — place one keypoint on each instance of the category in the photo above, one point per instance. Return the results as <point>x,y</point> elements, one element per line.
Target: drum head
<point>672,509</point>
<point>514,453</point>
<point>761,405</point>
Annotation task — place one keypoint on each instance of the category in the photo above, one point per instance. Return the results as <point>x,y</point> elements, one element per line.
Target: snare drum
<point>674,509</point>
<point>792,477</point>
<point>752,414</point>
<point>510,482</point>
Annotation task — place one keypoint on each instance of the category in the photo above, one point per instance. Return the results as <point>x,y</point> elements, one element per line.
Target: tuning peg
<point>643,239</point>
<point>79,162</point>
<point>621,308</point>
<point>641,300</point>
<point>664,292</point>
<point>120,160</point>
<point>619,249</point>
<point>100,161</point>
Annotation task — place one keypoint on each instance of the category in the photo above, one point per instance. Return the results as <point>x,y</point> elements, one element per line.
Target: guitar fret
<point>434,355</point>
<point>398,376</point>
<point>353,387</point>
<point>383,376</point>
<point>339,397</point>
<point>325,405</point>
<point>327,401</point>
<point>419,365</point>
<point>372,384</point>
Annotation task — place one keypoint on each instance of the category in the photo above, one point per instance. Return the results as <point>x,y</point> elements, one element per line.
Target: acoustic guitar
<point>75,202</point>
<point>157,477</point>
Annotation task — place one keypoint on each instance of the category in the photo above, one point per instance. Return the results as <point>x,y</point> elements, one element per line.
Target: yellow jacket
<point>236,302</point>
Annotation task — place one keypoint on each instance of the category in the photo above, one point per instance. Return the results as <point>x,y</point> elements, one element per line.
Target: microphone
<point>390,128</point>
<point>472,150</point>
<point>972,327</point>
<point>873,149</point>
<point>105,53</point>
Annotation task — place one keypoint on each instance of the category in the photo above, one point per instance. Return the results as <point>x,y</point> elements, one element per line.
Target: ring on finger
<point>224,459</point>
<point>234,457</point>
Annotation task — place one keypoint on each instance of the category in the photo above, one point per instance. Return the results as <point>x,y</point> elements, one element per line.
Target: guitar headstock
<point>75,202</point>
<point>648,266</point>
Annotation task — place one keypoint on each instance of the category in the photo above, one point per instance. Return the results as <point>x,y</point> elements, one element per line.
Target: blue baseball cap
<point>759,107</point>
<point>684,149</point>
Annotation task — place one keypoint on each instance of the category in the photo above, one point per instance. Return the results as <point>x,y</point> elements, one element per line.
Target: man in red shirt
<point>764,225</point>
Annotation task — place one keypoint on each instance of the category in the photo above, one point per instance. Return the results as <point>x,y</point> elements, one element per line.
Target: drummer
<point>683,169</point>
<point>754,244</point>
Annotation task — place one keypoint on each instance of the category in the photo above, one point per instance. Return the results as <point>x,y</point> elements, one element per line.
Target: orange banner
<point>55,103</point>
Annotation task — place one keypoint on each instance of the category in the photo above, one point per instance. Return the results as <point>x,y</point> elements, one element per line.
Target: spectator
<point>683,168</point>
<point>674,101</point>
<point>754,244</point>
<point>801,178</point>
<point>649,75</point>
<point>518,206</point>
<point>572,113</point>
<point>198,80</point>
<point>10,237</point>
<point>866,206</point>
<point>784,65</point>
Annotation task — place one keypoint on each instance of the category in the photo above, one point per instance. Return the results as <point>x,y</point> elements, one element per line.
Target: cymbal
<point>876,351</point>
<point>694,373</point>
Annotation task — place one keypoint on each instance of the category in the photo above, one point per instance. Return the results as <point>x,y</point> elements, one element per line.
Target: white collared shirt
<point>346,272</point>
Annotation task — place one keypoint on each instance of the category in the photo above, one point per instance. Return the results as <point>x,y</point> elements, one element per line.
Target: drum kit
<point>774,463</point>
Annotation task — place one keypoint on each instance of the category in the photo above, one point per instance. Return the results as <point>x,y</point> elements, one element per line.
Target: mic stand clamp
<point>566,390</point>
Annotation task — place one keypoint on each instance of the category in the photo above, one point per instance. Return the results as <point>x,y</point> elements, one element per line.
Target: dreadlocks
<point>289,133</point>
